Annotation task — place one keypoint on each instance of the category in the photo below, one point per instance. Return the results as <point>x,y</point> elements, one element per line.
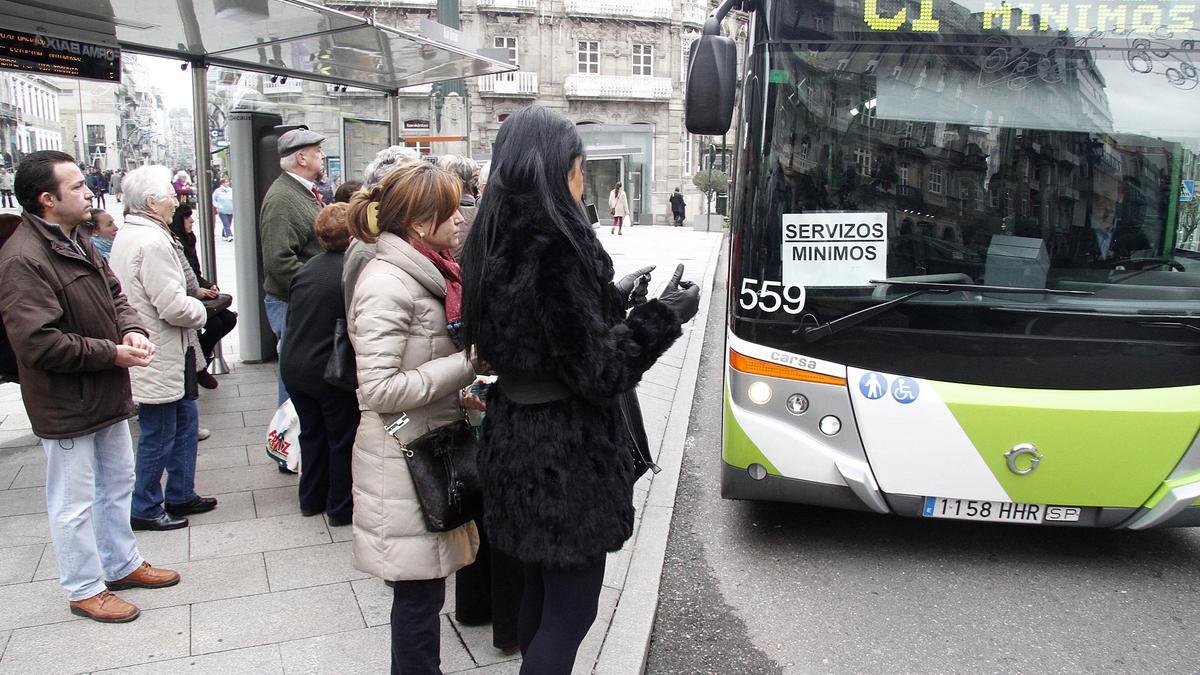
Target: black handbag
<point>215,306</point>
<point>631,414</point>
<point>340,369</point>
<point>444,473</point>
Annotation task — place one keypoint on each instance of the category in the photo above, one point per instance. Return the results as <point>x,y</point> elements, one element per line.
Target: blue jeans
<point>277,316</point>
<point>89,481</point>
<point>169,437</point>
<point>226,223</point>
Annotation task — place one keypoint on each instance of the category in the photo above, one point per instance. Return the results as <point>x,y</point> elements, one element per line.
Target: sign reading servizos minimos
<point>834,249</point>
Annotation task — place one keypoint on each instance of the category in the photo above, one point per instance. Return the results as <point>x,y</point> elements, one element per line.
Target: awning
<point>292,38</point>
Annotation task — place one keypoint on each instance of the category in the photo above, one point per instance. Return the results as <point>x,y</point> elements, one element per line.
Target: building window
<point>908,129</point>
<point>937,180</point>
<point>904,173</point>
<point>687,155</point>
<point>643,60</point>
<point>95,140</point>
<point>805,148</point>
<point>589,57</point>
<point>422,147</point>
<point>509,43</point>
<point>862,160</point>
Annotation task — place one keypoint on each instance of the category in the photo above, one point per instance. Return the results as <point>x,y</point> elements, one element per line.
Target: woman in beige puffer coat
<point>403,307</point>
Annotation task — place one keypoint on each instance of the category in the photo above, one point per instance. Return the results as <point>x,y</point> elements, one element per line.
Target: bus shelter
<point>283,39</point>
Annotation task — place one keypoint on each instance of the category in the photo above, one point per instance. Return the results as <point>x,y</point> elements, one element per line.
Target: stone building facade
<point>616,68</point>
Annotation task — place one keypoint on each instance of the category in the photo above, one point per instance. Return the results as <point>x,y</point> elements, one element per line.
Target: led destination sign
<point>1038,17</point>
<point>55,56</point>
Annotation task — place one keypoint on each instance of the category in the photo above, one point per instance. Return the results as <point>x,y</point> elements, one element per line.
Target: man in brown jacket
<point>75,337</point>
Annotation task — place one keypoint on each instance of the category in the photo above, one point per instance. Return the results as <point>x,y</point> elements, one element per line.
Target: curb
<point>627,642</point>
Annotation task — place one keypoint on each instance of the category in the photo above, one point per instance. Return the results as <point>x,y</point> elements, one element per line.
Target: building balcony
<point>618,87</point>
<point>695,13</point>
<point>646,10</point>
<point>507,5</point>
<point>509,85</point>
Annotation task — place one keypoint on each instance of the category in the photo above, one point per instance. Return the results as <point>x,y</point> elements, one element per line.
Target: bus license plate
<point>974,509</point>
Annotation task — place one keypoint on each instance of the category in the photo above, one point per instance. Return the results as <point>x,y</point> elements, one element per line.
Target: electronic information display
<point>55,56</point>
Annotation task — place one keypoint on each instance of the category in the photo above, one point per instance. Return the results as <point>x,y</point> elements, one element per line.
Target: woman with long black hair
<point>220,323</point>
<point>569,345</point>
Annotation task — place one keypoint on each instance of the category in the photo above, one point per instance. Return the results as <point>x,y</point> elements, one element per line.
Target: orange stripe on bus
<point>752,366</point>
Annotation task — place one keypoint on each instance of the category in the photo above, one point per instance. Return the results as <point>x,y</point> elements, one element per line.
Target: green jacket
<point>286,228</point>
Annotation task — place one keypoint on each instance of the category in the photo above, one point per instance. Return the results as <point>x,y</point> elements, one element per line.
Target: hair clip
<point>373,218</point>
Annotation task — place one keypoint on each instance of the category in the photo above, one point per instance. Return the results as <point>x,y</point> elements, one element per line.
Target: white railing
<point>518,5</point>
<point>509,84</point>
<point>417,90</point>
<point>385,3</point>
<point>695,12</point>
<point>618,87</point>
<point>659,10</point>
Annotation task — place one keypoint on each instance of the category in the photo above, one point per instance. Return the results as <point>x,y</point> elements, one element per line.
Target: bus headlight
<point>797,404</point>
<point>830,425</point>
<point>759,393</point>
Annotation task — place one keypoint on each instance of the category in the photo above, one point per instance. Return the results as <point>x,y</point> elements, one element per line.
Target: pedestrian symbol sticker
<point>873,386</point>
<point>905,390</point>
<point>1187,190</point>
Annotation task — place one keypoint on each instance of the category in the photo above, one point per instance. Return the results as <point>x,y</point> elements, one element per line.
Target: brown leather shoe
<point>145,576</point>
<point>105,607</point>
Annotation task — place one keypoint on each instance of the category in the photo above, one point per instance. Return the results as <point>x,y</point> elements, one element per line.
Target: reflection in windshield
<point>1021,155</point>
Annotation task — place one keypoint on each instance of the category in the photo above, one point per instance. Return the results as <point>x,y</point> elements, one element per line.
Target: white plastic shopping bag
<point>283,437</point>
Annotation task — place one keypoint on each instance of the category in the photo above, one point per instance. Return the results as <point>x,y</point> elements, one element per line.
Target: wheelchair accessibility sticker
<point>905,390</point>
<point>874,386</point>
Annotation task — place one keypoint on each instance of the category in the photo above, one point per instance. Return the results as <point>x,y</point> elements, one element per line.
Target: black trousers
<point>217,327</point>
<point>416,629</point>
<point>327,426</point>
<point>557,609</point>
<point>489,589</point>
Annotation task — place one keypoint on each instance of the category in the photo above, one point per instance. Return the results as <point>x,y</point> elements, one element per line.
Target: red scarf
<point>451,272</point>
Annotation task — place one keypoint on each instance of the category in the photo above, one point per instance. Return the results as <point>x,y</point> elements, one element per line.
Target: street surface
<point>761,588</point>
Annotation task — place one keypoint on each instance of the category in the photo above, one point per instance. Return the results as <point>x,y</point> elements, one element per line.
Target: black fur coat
<point>558,477</point>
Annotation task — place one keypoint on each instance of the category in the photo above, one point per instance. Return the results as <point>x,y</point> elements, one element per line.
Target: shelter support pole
<point>394,109</point>
<point>204,189</point>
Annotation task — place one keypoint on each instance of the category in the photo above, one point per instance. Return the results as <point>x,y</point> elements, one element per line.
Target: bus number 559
<point>771,296</point>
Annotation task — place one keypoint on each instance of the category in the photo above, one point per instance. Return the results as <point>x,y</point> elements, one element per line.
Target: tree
<point>710,183</point>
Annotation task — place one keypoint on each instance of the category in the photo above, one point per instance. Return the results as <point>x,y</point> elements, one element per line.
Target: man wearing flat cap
<point>289,211</point>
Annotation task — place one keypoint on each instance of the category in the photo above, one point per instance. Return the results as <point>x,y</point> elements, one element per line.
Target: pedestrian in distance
<point>569,346</point>
<point>222,200</point>
<point>328,416</point>
<point>152,275</point>
<point>618,207</point>
<point>76,337</point>
<point>182,184</point>
<point>402,320</point>
<point>220,322</point>
<point>101,188</point>
<point>103,228</point>
<point>6,188</point>
<point>289,210</point>
<point>678,207</point>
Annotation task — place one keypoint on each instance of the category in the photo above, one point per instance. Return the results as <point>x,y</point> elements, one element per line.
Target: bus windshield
<point>974,143</point>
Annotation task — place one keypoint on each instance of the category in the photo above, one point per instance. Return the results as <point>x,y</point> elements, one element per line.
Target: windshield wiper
<point>822,331</point>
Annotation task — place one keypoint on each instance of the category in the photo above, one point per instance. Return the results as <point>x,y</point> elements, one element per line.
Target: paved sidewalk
<point>266,590</point>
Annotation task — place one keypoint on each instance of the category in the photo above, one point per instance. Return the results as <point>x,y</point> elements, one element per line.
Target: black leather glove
<point>633,287</point>
<point>683,297</point>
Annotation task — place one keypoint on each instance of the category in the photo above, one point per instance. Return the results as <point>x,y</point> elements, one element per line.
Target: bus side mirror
<point>711,85</point>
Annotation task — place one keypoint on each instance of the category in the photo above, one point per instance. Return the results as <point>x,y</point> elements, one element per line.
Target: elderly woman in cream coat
<point>400,319</point>
<point>151,274</point>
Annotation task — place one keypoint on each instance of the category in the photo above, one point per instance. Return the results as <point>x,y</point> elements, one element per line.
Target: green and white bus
<point>963,270</point>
